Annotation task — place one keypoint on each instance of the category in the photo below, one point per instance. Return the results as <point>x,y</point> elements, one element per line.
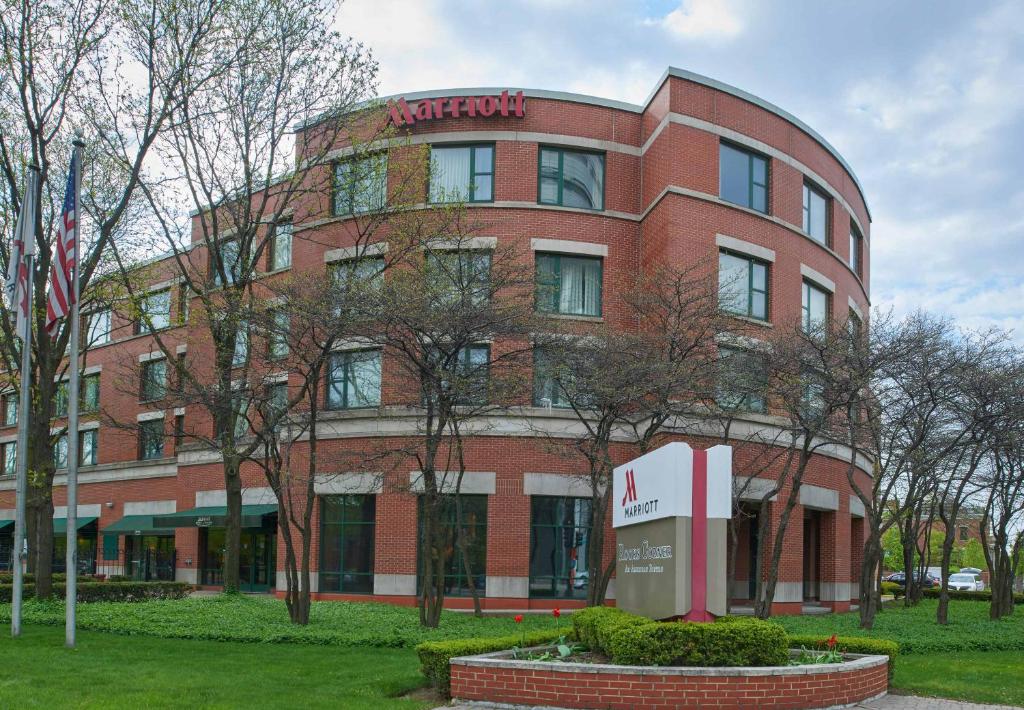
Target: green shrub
<point>985,596</point>
<point>894,589</point>
<point>435,656</point>
<point>8,577</point>
<point>585,622</point>
<point>850,644</point>
<point>748,642</point>
<point>111,591</point>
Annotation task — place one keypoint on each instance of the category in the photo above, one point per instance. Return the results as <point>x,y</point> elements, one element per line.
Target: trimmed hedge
<point>8,577</point>
<point>435,656</point>
<point>894,589</point>
<point>111,591</point>
<point>633,640</point>
<point>850,644</point>
<point>985,596</point>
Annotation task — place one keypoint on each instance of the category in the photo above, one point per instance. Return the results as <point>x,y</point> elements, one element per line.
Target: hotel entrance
<point>257,563</point>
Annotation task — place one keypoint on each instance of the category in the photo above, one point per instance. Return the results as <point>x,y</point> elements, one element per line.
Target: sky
<point>925,100</point>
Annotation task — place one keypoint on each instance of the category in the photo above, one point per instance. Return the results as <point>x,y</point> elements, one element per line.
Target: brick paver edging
<point>496,678</point>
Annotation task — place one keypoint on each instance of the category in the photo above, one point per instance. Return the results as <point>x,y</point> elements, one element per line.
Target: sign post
<point>670,511</point>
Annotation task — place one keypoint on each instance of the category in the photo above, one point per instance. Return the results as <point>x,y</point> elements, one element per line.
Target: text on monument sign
<point>404,113</point>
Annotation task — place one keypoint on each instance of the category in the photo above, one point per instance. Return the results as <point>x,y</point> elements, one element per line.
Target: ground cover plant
<point>265,620</point>
<point>915,630</point>
<point>116,672</point>
<point>981,677</point>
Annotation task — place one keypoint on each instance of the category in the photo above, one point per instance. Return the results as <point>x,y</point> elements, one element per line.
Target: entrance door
<point>754,571</point>
<point>150,557</point>
<point>812,554</point>
<point>258,561</point>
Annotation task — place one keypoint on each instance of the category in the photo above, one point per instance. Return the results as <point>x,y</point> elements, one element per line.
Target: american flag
<point>62,291</point>
<point>22,245</point>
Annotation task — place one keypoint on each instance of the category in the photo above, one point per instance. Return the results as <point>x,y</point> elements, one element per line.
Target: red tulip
<point>518,618</point>
<point>556,613</point>
<point>832,642</point>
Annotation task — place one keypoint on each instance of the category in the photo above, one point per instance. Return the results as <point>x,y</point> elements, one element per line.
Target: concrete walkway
<point>889,702</point>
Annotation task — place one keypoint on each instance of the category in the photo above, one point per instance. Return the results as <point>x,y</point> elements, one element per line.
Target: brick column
<point>394,574</point>
<point>835,558</point>
<point>789,592</point>
<point>187,555</point>
<point>508,545</point>
<point>856,556</point>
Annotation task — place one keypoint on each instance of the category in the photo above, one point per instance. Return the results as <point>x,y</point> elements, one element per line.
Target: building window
<point>854,324</point>
<point>277,399</point>
<point>347,525</point>
<point>88,451</point>
<point>815,308</point>
<point>353,379</point>
<point>184,295</point>
<point>277,340</point>
<point>10,458</point>
<point>742,380</point>
<point>151,439</point>
<point>571,178</point>
<point>473,528</point>
<point>559,535</point>
<point>10,409</point>
<point>856,250</point>
<point>743,177</point>
<point>465,380</point>
<point>60,452</point>
<point>230,261</point>
<point>548,387</point>
<point>281,246</point>
<point>60,399</point>
<point>816,214</point>
<point>812,403</point>
<point>98,329</point>
<point>90,393</point>
<point>360,184</point>
<point>743,285</point>
<point>353,272</point>
<point>964,533</point>
<point>241,353</point>
<point>462,173</point>
<point>569,285</point>
<point>154,312</point>
<point>460,276</point>
<point>154,380</point>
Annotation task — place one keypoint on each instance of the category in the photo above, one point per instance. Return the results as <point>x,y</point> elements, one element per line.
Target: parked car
<point>966,582</point>
<point>900,578</point>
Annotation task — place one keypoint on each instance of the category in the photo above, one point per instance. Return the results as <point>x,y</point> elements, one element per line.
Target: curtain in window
<point>581,286</point>
<point>449,174</point>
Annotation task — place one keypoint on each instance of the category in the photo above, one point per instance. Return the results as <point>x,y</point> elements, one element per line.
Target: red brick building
<point>595,191</point>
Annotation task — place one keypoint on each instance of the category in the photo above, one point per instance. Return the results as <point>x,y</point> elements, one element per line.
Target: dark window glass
<point>154,380</point>
<point>10,409</point>
<point>346,543</point>
<point>460,276</point>
<point>816,214</point>
<point>360,185</point>
<point>353,379</point>
<point>60,400</point>
<point>856,250</point>
<point>277,338</point>
<point>569,285</point>
<point>743,178</point>
<point>231,262</point>
<point>473,528</point>
<point>462,173</point>
<point>465,379</point>
<point>571,178</point>
<point>742,380</point>
<point>151,439</point>
<point>743,285</point>
<point>559,535</point>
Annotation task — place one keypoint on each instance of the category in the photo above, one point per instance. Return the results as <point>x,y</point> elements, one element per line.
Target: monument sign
<point>670,511</point>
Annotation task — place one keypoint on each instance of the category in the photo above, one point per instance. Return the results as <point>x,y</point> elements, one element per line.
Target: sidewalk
<point>889,702</point>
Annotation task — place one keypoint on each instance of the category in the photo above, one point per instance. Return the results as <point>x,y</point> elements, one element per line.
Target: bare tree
<point>232,145</point>
<point>64,67</point>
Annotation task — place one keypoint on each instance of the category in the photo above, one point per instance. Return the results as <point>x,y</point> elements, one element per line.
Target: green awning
<point>60,525</point>
<point>136,525</point>
<point>4,524</point>
<point>253,516</point>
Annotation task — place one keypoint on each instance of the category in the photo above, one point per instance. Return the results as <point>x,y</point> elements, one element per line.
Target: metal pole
<point>21,487</point>
<point>72,485</point>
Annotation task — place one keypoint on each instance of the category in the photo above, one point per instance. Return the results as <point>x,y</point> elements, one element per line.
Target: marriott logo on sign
<point>630,505</point>
<point>401,113</point>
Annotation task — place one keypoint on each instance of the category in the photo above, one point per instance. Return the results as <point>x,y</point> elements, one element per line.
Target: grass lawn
<point>984,677</point>
<point>265,620</point>
<point>109,671</point>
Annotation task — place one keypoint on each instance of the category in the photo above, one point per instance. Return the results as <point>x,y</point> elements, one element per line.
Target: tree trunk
<point>598,572</point>
<point>942,612</point>
<point>233,530</point>
<point>868,596</point>
<point>763,603</point>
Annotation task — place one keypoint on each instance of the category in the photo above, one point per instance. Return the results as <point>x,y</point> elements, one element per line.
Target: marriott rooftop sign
<point>405,113</point>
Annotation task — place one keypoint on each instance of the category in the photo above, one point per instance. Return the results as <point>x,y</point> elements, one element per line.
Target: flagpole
<point>72,484</point>
<point>21,486</point>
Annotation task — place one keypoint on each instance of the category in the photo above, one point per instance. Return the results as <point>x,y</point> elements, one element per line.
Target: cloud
<point>701,20</point>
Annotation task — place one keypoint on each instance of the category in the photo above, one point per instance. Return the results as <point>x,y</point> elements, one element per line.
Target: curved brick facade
<point>662,204</point>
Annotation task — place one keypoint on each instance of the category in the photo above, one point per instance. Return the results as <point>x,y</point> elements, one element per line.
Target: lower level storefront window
<point>347,526</point>
<point>149,557</point>
<point>559,535</point>
<point>257,559</point>
<point>465,542</point>
<point>86,552</point>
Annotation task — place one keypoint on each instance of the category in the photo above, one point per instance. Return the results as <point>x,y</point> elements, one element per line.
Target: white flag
<point>23,244</point>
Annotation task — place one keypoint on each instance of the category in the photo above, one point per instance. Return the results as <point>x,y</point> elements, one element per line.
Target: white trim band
<point>818,278</point>
<point>744,247</point>
<point>568,246</point>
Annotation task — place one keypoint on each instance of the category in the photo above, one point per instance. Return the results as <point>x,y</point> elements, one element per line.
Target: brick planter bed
<point>497,678</point>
